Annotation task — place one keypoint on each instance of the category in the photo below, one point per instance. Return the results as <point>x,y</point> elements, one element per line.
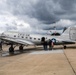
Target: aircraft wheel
<point>21,48</point>
<point>11,50</point>
<point>64,47</point>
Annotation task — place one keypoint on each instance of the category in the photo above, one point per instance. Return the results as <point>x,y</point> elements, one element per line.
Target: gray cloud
<point>43,10</point>
<point>40,12</point>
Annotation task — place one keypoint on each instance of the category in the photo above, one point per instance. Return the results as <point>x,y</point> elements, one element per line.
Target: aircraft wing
<point>18,41</point>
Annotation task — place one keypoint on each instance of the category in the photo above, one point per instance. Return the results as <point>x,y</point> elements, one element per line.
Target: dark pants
<point>50,47</point>
<point>45,47</point>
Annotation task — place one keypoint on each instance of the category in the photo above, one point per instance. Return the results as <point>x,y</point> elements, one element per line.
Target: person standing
<point>45,45</point>
<point>50,44</point>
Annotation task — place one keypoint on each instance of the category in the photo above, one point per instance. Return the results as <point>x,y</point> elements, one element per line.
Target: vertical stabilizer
<point>66,31</point>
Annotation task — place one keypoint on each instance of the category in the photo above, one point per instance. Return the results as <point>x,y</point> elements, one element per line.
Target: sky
<point>37,14</point>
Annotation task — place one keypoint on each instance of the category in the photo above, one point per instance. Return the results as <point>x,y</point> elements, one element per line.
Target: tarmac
<point>36,61</point>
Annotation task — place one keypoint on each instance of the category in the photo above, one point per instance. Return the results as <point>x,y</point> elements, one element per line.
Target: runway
<point>40,62</point>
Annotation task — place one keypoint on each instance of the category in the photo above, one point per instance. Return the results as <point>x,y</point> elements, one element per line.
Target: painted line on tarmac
<point>48,51</point>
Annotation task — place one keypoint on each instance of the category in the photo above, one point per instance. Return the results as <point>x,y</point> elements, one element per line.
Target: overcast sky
<point>40,13</point>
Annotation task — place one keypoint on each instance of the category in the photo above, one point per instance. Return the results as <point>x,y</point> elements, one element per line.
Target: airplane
<point>14,37</point>
<point>53,32</point>
<point>56,32</point>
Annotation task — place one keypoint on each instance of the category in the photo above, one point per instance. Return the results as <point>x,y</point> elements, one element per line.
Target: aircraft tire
<point>21,48</point>
<point>64,47</point>
<point>11,50</point>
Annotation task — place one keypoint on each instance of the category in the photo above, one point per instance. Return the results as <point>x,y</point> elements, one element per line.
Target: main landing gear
<point>64,47</point>
<point>11,49</point>
<point>21,48</point>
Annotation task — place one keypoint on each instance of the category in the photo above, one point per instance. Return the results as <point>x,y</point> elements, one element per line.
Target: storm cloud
<point>39,13</point>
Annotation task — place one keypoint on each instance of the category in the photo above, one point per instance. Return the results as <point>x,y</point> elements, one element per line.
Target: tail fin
<point>65,31</point>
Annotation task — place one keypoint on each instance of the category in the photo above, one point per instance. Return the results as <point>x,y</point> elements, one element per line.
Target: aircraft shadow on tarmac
<point>29,50</point>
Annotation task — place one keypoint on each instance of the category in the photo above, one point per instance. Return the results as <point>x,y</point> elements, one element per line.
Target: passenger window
<point>14,35</point>
<point>22,37</point>
<point>26,37</point>
<point>34,38</point>
<point>38,38</point>
<point>30,37</point>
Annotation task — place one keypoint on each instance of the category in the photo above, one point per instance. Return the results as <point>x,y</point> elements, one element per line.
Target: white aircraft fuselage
<point>35,39</point>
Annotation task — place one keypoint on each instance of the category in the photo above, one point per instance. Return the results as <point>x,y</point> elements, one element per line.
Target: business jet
<point>14,37</point>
